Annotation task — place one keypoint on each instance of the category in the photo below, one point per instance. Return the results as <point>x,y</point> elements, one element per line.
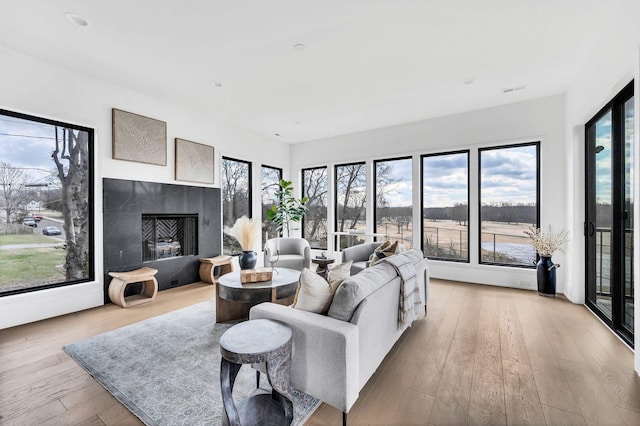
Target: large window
<point>509,203</point>
<point>394,199</point>
<point>351,203</point>
<point>314,222</point>
<point>46,202</point>
<point>236,197</point>
<point>445,206</point>
<point>270,177</point>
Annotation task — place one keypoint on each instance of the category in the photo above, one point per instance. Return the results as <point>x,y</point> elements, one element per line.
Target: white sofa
<point>334,358</point>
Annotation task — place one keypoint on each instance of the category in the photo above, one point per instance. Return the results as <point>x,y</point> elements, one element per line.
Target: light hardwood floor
<point>483,355</point>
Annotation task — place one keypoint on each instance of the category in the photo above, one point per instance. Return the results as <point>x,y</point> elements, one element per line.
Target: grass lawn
<point>22,268</point>
<point>10,239</point>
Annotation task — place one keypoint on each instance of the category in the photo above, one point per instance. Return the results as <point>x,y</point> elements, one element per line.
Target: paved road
<point>23,246</point>
<point>56,240</point>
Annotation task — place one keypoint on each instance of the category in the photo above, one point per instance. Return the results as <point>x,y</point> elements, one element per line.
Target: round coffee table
<point>234,299</point>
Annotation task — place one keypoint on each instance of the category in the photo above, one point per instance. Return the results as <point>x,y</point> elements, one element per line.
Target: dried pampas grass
<point>246,231</point>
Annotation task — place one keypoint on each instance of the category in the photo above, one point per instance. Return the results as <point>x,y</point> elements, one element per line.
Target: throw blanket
<point>410,303</point>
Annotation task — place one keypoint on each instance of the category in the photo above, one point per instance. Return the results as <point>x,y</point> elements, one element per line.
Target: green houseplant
<point>288,209</point>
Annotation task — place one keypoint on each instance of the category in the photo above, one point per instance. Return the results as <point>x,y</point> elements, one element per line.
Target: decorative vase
<point>248,259</point>
<point>546,271</point>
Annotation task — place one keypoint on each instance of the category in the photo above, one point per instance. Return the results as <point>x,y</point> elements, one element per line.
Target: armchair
<point>294,253</point>
<point>359,254</point>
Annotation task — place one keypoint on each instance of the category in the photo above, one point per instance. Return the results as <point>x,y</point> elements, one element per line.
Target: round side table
<point>322,265</point>
<point>250,342</point>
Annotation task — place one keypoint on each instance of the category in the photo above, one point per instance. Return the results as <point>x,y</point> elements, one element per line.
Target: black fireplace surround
<point>124,204</point>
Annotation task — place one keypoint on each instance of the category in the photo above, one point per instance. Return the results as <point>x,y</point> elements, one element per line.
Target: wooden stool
<point>208,266</point>
<point>118,284</point>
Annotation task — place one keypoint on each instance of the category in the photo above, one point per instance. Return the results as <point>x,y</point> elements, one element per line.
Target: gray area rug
<point>166,370</point>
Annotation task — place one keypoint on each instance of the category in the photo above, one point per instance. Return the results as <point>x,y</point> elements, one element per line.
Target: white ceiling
<point>367,63</point>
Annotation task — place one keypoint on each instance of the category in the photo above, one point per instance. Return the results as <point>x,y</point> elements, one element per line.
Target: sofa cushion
<point>314,293</point>
<point>357,287</point>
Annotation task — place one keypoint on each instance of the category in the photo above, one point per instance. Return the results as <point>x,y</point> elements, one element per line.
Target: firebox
<point>169,235</point>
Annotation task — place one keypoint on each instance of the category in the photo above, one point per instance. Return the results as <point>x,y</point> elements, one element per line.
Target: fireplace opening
<point>169,235</point>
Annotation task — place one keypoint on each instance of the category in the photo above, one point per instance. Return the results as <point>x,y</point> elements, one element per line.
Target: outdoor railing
<point>603,251</point>
<point>507,249</point>
<point>442,243</point>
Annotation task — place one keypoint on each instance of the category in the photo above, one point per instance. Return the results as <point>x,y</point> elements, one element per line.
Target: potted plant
<point>288,209</point>
<point>246,231</point>
<point>546,243</point>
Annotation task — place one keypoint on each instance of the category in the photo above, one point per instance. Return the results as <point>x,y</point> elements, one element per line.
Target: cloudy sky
<point>445,180</point>
<point>28,145</point>
<point>399,190</point>
<point>508,175</point>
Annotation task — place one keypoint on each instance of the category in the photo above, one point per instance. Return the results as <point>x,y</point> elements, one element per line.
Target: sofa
<point>293,253</point>
<point>335,355</point>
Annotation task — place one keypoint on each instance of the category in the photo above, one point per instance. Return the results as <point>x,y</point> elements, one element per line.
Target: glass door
<point>609,214</point>
<point>627,297</point>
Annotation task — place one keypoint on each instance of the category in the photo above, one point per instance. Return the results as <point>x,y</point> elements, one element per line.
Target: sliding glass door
<point>609,214</point>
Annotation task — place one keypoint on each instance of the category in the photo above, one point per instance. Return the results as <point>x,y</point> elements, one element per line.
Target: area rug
<point>166,370</point>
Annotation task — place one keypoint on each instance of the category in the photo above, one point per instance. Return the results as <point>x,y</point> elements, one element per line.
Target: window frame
<point>422,157</point>
<point>375,189</point>
<point>302,181</point>
<point>91,275</point>
<point>335,198</point>
<point>280,174</point>
<point>538,145</point>
<point>249,190</point>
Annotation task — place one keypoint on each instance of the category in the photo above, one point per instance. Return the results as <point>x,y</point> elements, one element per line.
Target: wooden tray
<point>255,275</point>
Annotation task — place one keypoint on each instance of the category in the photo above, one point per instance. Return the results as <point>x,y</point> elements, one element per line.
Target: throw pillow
<point>339,272</point>
<point>314,293</point>
<point>386,249</point>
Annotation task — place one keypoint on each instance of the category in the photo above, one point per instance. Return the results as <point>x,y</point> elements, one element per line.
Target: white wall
<point>35,87</point>
<point>541,119</point>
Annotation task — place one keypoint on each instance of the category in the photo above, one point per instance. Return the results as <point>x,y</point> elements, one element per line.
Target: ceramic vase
<point>248,259</point>
<point>546,271</point>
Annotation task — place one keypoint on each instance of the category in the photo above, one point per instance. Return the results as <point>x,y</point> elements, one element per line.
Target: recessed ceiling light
<point>299,47</point>
<point>514,89</point>
<point>76,19</point>
<point>216,84</point>
<point>277,134</point>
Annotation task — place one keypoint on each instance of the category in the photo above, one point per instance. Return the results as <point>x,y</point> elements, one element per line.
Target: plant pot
<point>546,271</point>
<point>247,259</point>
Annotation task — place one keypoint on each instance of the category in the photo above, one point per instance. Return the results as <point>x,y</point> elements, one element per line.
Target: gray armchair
<point>295,253</point>
<point>359,254</point>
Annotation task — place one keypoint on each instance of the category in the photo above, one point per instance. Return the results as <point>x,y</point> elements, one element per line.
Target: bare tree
<point>71,156</point>
<point>351,183</point>
<point>315,189</point>
<point>383,180</point>
<point>235,190</point>
<point>235,198</point>
<point>12,181</point>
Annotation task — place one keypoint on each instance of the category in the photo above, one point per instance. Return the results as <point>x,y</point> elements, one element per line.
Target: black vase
<point>247,259</point>
<point>546,271</point>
